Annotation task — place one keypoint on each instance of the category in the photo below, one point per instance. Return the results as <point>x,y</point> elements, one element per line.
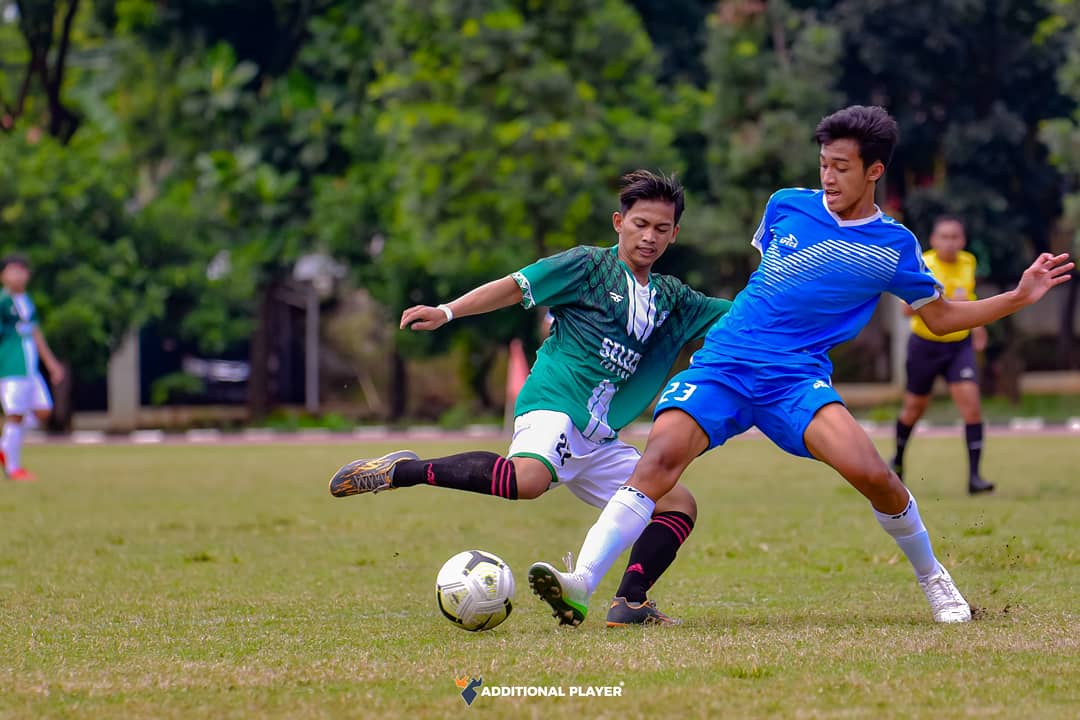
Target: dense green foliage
<point>171,161</point>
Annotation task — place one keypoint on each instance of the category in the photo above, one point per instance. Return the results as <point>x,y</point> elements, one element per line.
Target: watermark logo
<point>473,687</point>
<point>468,687</point>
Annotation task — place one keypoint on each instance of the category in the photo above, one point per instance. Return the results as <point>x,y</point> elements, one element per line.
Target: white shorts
<point>592,471</point>
<point>24,395</point>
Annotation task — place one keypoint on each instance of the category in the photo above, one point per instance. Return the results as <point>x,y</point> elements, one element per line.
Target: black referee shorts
<point>926,359</point>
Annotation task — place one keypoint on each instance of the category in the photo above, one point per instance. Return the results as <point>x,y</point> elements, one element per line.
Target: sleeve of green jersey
<point>553,280</point>
<point>699,312</point>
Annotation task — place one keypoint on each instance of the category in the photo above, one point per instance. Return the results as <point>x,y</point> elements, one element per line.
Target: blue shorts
<point>728,398</point>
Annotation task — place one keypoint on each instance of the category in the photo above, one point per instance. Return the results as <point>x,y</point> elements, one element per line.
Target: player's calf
<point>485,473</point>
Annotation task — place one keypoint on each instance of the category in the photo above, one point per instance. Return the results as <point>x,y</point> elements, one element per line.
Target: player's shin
<point>910,534</point>
<point>479,472</point>
<point>619,525</point>
<point>11,445</point>
<point>653,553</point>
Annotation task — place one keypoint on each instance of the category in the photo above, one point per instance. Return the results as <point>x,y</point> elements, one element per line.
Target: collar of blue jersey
<point>850,223</point>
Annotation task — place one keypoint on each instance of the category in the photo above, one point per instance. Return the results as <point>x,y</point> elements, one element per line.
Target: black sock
<point>653,552</point>
<point>479,472</point>
<point>974,435</point>
<point>903,432</point>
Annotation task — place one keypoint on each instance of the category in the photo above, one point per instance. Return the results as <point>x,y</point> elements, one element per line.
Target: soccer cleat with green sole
<point>565,592</point>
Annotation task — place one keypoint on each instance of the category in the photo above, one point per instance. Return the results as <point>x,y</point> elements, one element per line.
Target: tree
<point>66,207</point>
<point>508,124</point>
<point>766,67</point>
<point>233,138</point>
<point>46,28</point>
<point>968,86</point>
<point>1062,136</point>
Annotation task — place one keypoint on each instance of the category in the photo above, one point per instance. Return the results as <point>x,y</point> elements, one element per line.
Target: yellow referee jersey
<point>959,281</point>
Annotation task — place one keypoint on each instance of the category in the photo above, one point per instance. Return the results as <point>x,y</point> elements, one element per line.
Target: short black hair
<point>944,218</point>
<point>15,259</point>
<point>871,127</point>
<point>646,185</point>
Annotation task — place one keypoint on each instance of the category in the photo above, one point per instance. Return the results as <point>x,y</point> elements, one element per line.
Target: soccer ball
<point>474,589</point>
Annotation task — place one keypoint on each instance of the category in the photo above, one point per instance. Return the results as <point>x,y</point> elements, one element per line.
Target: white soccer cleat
<point>946,602</point>
<point>566,592</point>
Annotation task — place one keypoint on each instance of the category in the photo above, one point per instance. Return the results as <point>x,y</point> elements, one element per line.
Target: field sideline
<point>223,581</point>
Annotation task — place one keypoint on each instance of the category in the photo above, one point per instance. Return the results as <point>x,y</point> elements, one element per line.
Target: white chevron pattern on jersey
<point>825,258</point>
<point>641,310</point>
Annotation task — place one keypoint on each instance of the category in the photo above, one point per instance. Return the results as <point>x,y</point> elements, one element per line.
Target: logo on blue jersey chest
<point>794,258</point>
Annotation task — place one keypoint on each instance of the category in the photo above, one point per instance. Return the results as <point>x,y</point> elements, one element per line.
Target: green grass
<point>996,409</point>
<point>224,581</point>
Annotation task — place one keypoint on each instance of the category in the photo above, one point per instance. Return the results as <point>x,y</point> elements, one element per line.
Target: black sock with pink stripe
<point>653,553</point>
<point>479,472</point>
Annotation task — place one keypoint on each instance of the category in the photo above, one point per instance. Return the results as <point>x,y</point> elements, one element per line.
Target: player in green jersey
<point>617,330</point>
<point>23,392</point>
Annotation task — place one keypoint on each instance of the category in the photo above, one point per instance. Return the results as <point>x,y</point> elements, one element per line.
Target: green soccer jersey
<point>613,341</point>
<point>18,353</point>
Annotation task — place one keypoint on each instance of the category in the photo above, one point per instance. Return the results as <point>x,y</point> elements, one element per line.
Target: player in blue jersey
<point>827,256</point>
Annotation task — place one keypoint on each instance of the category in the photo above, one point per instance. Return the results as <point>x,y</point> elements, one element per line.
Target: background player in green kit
<point>22,390</point>
<point>617,331</point>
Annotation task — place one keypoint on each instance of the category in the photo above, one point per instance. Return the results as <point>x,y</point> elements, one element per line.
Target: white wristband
<point>449,313</point>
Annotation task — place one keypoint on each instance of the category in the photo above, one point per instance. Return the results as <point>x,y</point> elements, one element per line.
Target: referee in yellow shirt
<point>951,356</point>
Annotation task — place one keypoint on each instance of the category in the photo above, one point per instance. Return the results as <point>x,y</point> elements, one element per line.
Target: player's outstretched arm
<point>1048,271</point>
<point>55,368</point>
<point>494,295</point>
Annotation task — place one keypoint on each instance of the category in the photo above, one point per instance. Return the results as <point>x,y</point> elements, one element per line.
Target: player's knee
<point>533,478</point>
<point>13,419</point>
<point>874,475</point>
<point>661,461</point>
<point>679,499</point>
<point>913,408</point>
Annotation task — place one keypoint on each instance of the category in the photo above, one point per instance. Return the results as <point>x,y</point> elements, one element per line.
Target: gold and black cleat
<point>368,474</point>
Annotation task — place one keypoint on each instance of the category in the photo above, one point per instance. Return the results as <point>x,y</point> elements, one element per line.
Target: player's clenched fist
<point>423,317</point>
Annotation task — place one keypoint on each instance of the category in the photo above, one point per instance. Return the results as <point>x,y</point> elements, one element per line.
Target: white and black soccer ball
<point>474,590</point>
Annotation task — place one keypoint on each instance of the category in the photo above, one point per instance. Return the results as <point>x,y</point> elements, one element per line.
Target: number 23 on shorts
<point>678,392</point>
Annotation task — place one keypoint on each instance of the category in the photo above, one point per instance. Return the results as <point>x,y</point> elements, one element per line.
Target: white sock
<point>11,444</point>
<point>623,519</point>
<point>910,534</point>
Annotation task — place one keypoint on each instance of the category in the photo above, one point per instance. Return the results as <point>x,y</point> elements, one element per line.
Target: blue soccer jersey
<point>766,362</point>
<point>819,281</point>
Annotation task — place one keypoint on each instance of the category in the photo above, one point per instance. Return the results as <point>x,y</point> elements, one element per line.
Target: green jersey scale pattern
<point>18,353</point>
<point>613,341</point>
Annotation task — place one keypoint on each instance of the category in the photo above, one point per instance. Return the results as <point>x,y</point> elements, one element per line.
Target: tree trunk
<point>399,388</point>
<point>1066,356</point>
<point>258,391</point>
<point>60,420</point>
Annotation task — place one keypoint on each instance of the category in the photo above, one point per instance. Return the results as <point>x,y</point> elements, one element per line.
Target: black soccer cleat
<point>977,485</point>
<point>623,613</point>
<point>368,474</point>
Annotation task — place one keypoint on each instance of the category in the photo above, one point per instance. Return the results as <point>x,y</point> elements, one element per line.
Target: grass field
<point>223,581</point>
